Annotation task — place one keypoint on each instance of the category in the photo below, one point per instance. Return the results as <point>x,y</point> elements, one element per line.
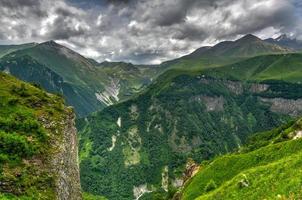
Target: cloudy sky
<point>144,31</point>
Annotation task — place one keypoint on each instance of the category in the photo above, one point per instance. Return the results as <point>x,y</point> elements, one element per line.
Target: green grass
<point>25,141</point>
<point>285,67</point>
<point>87,196</point>
<point>278,180</point>
<point>272,170</point>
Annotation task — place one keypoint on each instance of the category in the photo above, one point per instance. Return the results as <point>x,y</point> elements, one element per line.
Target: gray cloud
<point>144,31</point>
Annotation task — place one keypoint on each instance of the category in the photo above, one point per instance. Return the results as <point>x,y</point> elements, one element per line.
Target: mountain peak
<point>282,37</point>
<point>249,37</point>
<point>287,41</point>
<point>51,43</point>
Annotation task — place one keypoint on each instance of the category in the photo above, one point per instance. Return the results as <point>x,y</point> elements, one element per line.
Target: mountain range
<point>285,41</point>
<point>90,86</point>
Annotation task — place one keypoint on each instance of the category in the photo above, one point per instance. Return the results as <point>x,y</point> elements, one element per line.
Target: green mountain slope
<point>267,168</point>
<point>226,52</point>
<point>286,67</point>
<point>35,128</point>
<point>90,86</point>
<point>6,49</point>
<point>142,145</point>
<point>85,84</point>
<point>246,46</point>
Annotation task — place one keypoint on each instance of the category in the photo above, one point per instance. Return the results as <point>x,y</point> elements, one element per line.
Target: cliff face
<point>38,144</point>
<point>65,162</point>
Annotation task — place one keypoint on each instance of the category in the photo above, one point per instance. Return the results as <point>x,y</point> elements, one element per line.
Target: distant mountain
<point>6,49</point>
<point>287,67</point>
<point>85,84</point>
<point>90,86</point>
<point>264,168</point>
<point>285,41</point>
<point>247,46</point>
<point>226,52</point>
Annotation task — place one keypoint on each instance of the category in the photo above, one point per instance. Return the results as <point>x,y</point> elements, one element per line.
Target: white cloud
<point>144,31</point>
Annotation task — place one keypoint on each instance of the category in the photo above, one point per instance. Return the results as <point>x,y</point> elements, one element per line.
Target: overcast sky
<point>144,31</point>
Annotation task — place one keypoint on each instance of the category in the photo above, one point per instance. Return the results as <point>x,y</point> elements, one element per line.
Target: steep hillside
<point>85,84</point>
<point>267,168</point>
<point>38,144</point>
<point>286,67</point>
<point>226,52</point>
<point>142,145</point>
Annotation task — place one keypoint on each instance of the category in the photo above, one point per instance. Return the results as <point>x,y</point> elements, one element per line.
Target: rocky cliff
<point>65,162</point>
<point>38,144</point>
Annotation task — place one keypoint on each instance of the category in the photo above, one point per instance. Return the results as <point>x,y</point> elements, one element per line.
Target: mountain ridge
<point>284,40</point>
<point>226,52</point>
<point>82,81</point>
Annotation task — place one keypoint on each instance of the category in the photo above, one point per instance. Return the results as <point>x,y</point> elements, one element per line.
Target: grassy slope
<point>24,140</point>
<point>25,67</point>
<point>272,169</point>
<point>287,67</point>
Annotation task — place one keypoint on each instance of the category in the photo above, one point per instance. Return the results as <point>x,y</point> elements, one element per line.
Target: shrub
<point>21,91</point>
<point>211,185</point>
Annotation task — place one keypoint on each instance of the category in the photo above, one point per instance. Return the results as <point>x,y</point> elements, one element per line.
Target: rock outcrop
<point>65,162</point>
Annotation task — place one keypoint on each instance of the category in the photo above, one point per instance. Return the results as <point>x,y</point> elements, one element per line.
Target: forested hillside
<point>142,145</point>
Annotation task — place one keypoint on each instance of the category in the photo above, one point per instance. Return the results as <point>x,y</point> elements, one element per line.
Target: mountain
<point>86,85</point>
<point>89,86</point>
<point>6,49</point>
<point>285,41</point>
<point>246,46</point>
<point>38,144</point>
<point>227,52</point>
<point>140,147</point>
<point>286,67</point>
<point>265,168</point>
